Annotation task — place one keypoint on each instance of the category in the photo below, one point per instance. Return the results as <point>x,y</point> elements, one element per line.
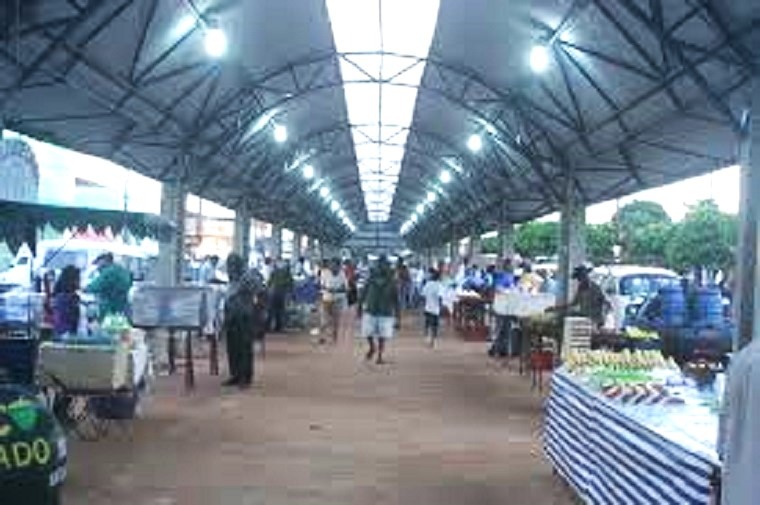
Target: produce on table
<point>578,361</point>
<point>636,333</point>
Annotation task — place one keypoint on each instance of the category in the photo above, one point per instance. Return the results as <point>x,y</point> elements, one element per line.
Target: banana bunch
<point>578,360</point>
<point>637,333</point>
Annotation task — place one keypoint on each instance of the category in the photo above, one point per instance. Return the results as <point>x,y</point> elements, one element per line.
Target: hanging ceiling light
<point>324,192</point>
<point>445,176</point>
<point>431,197</point>
<point>215,40</point>
<point>420,208</point>
<point>474,143</point>
<point>539,58</point>
<point>308,171</point>
<point>280,133</point>
<point>334,206</point>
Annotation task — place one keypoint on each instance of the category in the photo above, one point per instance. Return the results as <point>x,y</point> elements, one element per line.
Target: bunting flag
<point>19,222</point>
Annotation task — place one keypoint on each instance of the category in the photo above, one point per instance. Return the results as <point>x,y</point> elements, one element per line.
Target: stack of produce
<point>584,360</point>
<point>627,377</point>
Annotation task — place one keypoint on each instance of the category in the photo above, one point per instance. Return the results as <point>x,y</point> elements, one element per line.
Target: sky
<point>720,185</point>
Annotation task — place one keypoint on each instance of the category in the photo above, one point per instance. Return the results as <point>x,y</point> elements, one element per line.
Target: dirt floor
<point>321,426</point>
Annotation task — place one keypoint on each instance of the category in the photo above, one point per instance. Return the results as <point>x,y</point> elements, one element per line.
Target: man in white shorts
<point>378,306</point>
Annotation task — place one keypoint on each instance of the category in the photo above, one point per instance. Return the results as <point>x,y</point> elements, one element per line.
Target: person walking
<point>280,287</point>
<point>378,308</point>
<point>242,320</point>
<point>432,293</point>
<point>334,290</point>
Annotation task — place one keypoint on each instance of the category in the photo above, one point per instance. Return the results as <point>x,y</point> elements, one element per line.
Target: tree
<point>537,239</point>
<point>600,238</point>
<point>638,223</point>
<point>705,238</point>
<point>490,245</point>
<point>648,246</point>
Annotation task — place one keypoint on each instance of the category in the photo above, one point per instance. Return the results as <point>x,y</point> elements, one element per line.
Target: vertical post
<point>297,239</point>
<point>276,240</point>
<point>572,250</point>
<point>473,246</point>
<point>241,242</point>
<point>170,254</point>
<point>507,239</point>
<point>747,288</point>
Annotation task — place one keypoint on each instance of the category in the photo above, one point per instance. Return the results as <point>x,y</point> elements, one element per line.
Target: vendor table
<point>612,453</point>
<point>470,317</point>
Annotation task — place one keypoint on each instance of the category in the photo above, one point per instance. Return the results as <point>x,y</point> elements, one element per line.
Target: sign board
<point>515,303</point>
<point>169,307</point>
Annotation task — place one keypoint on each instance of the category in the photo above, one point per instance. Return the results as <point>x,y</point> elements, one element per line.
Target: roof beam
<point>689,66</point>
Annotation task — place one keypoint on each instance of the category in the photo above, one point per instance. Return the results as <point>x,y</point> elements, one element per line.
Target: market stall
<point>629,428</point>
<point>93,380</point>
<point>470,311</point>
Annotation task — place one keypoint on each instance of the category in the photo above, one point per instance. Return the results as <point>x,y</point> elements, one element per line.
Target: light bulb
<point>215,42</point>
<point>539,58</point>
<point>280,133</point>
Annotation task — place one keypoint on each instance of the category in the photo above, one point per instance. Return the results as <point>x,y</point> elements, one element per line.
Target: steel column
<point>171,254</point>
<point>241,243</point>
<point>747,288</point>
<point>572,250</point>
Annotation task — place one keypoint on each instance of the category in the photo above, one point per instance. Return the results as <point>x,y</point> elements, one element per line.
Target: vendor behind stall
<point>589,300</point>
<point>66,310</point>
<point>111,286</point>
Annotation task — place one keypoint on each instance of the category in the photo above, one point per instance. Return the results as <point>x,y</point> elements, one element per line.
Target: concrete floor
<point>321,426</point>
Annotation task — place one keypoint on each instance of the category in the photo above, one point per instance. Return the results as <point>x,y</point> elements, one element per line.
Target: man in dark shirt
<point>379,307</point>
<point>589,300</point>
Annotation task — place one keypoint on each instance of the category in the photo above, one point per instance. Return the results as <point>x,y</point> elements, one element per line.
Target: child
<point>432,293</point>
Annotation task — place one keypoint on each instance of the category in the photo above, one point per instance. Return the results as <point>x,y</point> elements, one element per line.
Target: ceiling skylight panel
<point>398,33</point>
<point>362,100</point>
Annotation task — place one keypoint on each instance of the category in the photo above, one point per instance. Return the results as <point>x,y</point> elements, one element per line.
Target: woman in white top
<point>334,288</point>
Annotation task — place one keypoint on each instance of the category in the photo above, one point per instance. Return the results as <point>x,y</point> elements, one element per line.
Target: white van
<point>624,285</point>
<point>21,270</point>
<point>54,255</point>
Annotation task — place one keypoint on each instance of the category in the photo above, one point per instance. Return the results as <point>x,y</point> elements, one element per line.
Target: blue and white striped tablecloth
<point>610,458</point>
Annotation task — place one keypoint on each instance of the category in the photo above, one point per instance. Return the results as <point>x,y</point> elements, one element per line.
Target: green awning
<point>19,222</point>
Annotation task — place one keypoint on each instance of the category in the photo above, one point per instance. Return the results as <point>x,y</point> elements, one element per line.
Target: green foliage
<point>705,238</point>
<point>490,245</point>
<point>639,214</point>
<point>600,238</point>
<point>648,245</point>
<point>537,239</point>
<point>642,226</point>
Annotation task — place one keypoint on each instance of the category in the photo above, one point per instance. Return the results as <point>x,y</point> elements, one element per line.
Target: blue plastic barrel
<point>673,306</point>
<point>708,308</point>
<point>18,360</point>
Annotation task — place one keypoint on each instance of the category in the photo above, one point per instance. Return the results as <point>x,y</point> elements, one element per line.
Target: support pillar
<point>171,254</point>
<point>747,288</point>
<point>276,241</point>
<point>474,246</point>
<point>241,240</point>
<point>297,239</point>
<point>572,249</point>
<point>507,240</point>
